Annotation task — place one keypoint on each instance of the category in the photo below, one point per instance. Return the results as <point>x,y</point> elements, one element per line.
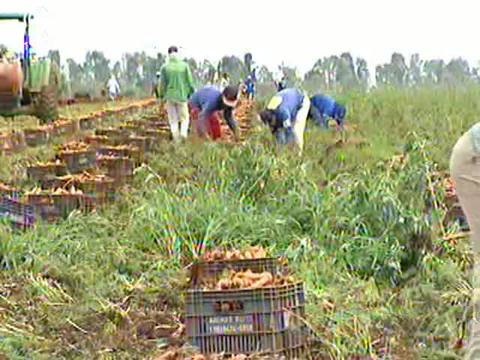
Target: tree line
<point>336,73</point>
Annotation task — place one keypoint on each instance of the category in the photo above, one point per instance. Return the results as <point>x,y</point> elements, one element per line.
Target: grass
<point>353,222</point>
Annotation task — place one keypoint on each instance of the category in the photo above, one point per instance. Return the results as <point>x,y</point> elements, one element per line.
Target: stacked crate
<point>265,321</point>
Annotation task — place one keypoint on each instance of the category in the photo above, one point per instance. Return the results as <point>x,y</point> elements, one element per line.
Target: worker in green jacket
<point>176,86</point>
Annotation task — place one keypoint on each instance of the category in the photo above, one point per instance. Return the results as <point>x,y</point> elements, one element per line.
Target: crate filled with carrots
<point>244,301</point>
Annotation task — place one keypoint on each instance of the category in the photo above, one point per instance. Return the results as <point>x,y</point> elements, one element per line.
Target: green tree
<point>434,71</point>
<point>234,67</point>
<point>54,55</point>
<point>96,70</point>
<point>345,75</point>
<point>363,74</point>
<point>398,70</point>
<point>457,72</point>
<point>415,70</point>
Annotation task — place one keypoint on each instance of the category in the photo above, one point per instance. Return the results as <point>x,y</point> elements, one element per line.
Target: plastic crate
<point>90,203</point>
<point>79,161</point>
<point>96,141</point>
<point>10,192</point>
<point>118,168</point>
<point>98,192</point>
<point>36,137</point>
<point>65,128</point>
<point>213,269</point>
<point>269,344</point>
<point>66,203</point>
<point>88,123</point>
<point>44,174</point>
<point>113,133</point>
<point>163,127</point>
<point>139,142</point>
<point>255,321</point>
<point>44,207</point>
<point>153,133</point>
<point>132,153</point>
<point>19,215</point>
<point>244,301</point>
<point>134,124</point>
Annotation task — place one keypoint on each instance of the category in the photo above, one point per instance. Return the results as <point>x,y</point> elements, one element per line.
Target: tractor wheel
<point>46,104</point>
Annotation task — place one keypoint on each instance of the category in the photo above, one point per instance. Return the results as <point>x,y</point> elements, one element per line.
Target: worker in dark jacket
<point>206,104</point>
<point>286,115</point>
<point>324,107</point>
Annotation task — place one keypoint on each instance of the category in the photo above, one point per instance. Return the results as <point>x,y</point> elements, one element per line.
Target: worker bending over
<point>206,105</point>
<point>324,107</point>
<point>286,115</point>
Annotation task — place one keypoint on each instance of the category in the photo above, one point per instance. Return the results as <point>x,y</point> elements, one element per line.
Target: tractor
<point>28,86</point>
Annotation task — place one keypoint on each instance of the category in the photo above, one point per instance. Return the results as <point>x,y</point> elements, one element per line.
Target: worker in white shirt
<point>113,88</point>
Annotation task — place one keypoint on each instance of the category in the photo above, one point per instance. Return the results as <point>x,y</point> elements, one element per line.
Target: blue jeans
<point>318,117</point>
<point>284,136</point>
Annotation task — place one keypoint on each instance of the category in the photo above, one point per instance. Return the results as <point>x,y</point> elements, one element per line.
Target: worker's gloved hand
<point>287,124</point>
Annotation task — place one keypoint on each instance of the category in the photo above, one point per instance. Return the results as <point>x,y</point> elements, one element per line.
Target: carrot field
<point>358,216</point>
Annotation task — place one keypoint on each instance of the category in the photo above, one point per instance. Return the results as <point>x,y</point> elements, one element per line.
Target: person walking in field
<point>324,107</point>
<point>207,103</point>
<point>176,86</point>
<point>286,115</point>
<point>156,87</point>
<point>250,88</point>
<point>113,88</point>
<point>465,172</point>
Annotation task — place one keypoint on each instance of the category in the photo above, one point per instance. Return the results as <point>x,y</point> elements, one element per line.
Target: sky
<point>274,31</point>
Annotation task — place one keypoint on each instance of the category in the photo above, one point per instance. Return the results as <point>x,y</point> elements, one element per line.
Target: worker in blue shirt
<point>207,103</point>
<point>324,107</point>
<point>286,115</point>
<point>250,88</point>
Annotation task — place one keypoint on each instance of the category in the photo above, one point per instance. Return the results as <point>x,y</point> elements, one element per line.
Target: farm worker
<point>254,75</point>
<point>224,82</point>
<point>176,86</point>
<point>286,115</point>
<point>250,87</point>
<point>281,84</point>
<point>206,104</point>
<point>465,172</point>
<point>156,86</point>
<point>324,107</point>
<point>113,87</point>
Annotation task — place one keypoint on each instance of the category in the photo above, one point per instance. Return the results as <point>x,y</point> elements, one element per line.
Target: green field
<point>351,218</point>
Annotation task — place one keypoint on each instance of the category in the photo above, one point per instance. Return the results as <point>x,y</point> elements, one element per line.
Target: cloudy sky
<point>296,32</point>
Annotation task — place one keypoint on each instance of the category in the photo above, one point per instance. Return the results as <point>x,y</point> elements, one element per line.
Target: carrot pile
<point>255,252</point>
<point>449,187</point>
<point>84,177</point>
<point>48,163</point>
<point>74,147</point>
<point>6,188</point>
<point>250,280</point>
<point>247,279</point>
<point>57,191</point>
<point>122,147</point>
<point>110,157</point>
